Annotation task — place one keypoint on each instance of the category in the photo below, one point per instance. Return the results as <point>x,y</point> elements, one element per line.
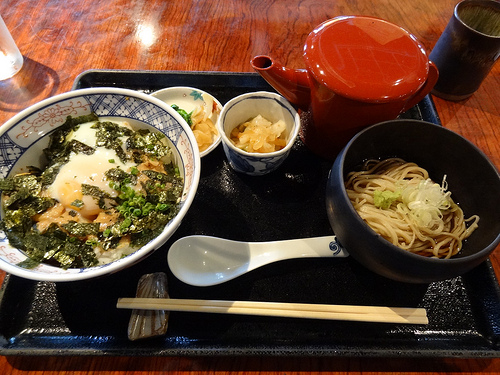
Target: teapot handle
<point>432,78</point>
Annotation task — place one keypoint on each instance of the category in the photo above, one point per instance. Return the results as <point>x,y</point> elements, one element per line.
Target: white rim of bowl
<point>153,244</point>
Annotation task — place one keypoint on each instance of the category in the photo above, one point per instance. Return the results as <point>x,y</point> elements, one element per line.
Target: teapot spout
<point>293,84</point>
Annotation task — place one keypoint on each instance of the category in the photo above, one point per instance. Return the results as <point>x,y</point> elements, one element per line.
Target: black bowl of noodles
<point>377,241</point>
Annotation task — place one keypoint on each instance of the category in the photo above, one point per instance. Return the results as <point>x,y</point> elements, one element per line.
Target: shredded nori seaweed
<point>93,191</point>
<point>120,176</point>
<point>81,229</point>
<point>59,148</point>
<point>65,245</point>
<point>109,135</point>
<point>144,142</point>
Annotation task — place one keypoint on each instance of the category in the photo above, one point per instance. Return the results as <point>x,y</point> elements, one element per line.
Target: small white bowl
<point>24,136</point>
<point>188,98</point>
<point>269,105</point>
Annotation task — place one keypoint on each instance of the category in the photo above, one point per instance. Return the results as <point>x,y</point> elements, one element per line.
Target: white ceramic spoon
<point>205,261</point>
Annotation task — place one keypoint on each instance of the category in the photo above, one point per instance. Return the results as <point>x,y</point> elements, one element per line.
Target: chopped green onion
<point>91,243</point>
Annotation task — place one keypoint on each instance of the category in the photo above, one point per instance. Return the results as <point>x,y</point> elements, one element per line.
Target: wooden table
<point>62,38</point>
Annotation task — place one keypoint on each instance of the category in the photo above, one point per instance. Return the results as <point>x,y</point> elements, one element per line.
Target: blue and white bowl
<point>271,106</point>
<point>23,138</point>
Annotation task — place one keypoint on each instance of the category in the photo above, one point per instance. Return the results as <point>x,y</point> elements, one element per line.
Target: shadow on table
<point>33,83</point>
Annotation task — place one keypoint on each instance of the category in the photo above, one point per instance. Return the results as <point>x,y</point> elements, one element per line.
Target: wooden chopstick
<point>290,310</point>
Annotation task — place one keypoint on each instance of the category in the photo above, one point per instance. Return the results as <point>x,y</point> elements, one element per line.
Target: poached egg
<point>86,169</point>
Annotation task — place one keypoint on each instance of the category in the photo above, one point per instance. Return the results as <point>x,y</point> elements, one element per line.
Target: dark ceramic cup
<point>467,49</point>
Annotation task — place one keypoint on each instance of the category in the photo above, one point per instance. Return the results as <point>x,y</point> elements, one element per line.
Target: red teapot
<point>360,70</point>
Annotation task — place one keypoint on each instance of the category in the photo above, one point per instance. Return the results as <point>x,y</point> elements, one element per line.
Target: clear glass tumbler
<point>11,60</point>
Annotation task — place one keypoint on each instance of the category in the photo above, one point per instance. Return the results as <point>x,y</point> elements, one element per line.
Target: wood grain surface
<point>60,39</point>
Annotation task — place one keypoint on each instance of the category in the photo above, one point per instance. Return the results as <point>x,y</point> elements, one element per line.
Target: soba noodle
<point>418,215</point>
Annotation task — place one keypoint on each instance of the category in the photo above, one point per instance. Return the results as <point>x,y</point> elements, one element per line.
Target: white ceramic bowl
<point>271,106</point>
<point>188,98</point>
<point>23,138</point>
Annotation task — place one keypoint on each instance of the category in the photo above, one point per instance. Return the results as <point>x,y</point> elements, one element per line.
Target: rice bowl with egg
<point>23,138</point>
<point>107,191</point>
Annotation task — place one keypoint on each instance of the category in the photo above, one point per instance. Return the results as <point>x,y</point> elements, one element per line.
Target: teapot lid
<point>366,58</point>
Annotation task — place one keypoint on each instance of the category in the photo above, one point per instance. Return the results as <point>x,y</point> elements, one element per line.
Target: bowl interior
<point>472,179</point>
<point>271,106</point>
<point>23,138</point>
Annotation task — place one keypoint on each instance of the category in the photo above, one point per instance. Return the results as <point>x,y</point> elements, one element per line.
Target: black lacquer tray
<point>80,318</point>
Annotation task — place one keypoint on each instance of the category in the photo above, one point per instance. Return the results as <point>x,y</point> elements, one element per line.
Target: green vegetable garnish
<point>186,116</point>
<point>384,199</point>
